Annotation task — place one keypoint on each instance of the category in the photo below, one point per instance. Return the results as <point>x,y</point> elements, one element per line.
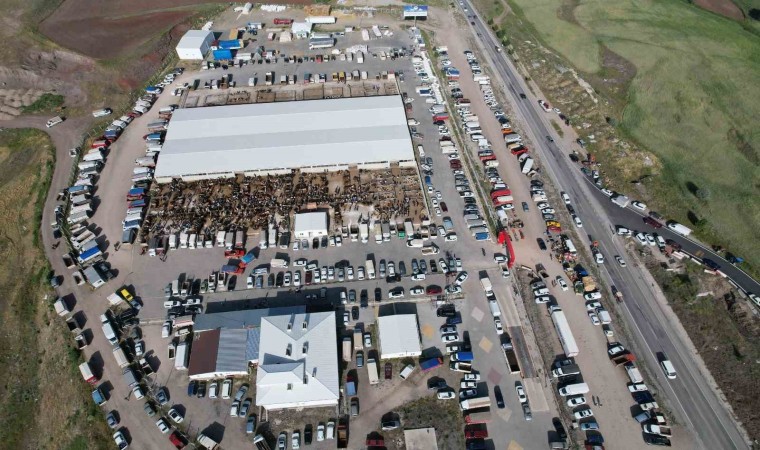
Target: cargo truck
<point>475,403</point>
<point>511,357</point>
<point>372,371</point>
<point>409,229</point>
<point>370,266</point>
<point>347,349</point>
<point>180,360</point>
<point>364,232</point>
<point>564,333</point>
<point>120,356</point>
<point>386,231</point>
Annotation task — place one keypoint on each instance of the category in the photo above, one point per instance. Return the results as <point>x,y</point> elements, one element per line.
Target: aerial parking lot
<point>321,236</point>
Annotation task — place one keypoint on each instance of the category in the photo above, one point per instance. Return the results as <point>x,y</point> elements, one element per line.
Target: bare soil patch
<point>725,8</point>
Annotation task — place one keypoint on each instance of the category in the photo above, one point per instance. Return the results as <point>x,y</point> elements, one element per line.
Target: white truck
<point>364,232</point>
<point>180,360</point>
<point>486,283</point>
<point>372,371</point>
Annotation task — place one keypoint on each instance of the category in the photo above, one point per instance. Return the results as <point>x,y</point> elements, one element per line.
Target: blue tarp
<point>222,54</point>
<point>232,44</point>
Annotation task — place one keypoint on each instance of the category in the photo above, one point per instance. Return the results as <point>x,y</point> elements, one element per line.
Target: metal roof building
<point>225,344</point>
<point>298,361</point>
<point>399,336</point>
<point>272,138</point>
<point>195,44</point>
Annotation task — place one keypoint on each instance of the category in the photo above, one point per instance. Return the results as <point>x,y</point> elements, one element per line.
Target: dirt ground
<point>112,36</point>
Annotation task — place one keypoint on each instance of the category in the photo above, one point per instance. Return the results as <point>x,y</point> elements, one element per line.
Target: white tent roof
<point>194,39</point>
<point>310,221</point>
<point>298,361</point>
<point>271,136</point>
<point>399,336</point>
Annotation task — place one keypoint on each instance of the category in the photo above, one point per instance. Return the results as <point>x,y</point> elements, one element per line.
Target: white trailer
<point>565,334</point>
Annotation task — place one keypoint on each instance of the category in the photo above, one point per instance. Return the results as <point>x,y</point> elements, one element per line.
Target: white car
<point>641,238</point>
<point>213,388</point>
<point>437,211</point>
<point>639,205</point>
<point>296,245</point>
<point>472,376</point>
<point>637,387</point>
<point>650,239</point>
<point>320,432</point>
<point>120,440</point>
<point>416,291</point>
<point>286,279</point>
<point>594,318</point>
<point>446,394</point>
<point>623,231</point>
<point>249,282</point>
<point>350,272</point>
<point>297,278</point>
<point>620,260</point>
<point>450,338</point>
<point>295,441</point>
<point>451,237</point>
<point>572,402</point>
<point>300,262</point>
<point>234,408</point>
<point>593,295</point>
<point>607,192</point>
<point>467,384</point>
<point>498,325</point>
<point>396,293</point>
<point>562,283</point>
<point>583,413</point>
<point>599,258</point>
<point>438,195</point>
<point>577,221</point>
<point>418,277</point>
<point>541,299</point>
<point>345,318</point>
<point>175,416</point>
<point>138,392</point>
<point>360,273</point>
<point>163,427</point>
<point>521,393</point>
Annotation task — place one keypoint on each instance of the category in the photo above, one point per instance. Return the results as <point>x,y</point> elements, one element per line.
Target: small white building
<point>310,225</point>
<point>195,44</point>
<point>298,362</point>
<point>399,336</point>
<point>301,30</point>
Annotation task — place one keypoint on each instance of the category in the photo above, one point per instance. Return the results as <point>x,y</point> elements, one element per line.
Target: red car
<point>652,223</point>
<point>234,253</point>
<point>455,164</point>
<point>444,208</point>
<point>475,432</point>
<point>178,440</point>
<point>308,277</point>
<point>434,290</point>
<point>388,371</point>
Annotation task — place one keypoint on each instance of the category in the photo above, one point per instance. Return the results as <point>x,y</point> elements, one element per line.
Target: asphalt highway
<point>692,398</point>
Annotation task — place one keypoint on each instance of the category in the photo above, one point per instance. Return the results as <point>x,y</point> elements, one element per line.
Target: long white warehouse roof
<point>273,136</point>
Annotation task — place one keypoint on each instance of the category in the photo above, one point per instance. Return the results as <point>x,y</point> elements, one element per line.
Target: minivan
<point>668,368</point>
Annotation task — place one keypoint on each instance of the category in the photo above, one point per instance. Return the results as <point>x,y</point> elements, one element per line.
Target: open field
<point>678,81</point>
<point>44,402</point>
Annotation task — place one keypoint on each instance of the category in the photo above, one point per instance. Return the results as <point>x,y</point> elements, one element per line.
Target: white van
<point>226,388</point>
<point>406,371</point>
<point>668,368</point>
<point>574,389</point>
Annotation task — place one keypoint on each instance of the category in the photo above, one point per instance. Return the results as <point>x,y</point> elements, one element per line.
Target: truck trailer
<point>565,334</point>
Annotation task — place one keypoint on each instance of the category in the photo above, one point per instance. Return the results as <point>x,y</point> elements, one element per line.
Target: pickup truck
<point>660,430</point>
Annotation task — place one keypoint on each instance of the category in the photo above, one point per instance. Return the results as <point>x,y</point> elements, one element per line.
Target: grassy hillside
<point>691,102</point>
<point>44,403</point>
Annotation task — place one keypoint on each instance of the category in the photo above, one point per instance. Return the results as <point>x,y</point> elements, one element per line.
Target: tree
<point>702,193</point>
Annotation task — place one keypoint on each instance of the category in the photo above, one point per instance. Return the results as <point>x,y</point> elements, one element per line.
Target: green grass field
<point>694,103</point>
